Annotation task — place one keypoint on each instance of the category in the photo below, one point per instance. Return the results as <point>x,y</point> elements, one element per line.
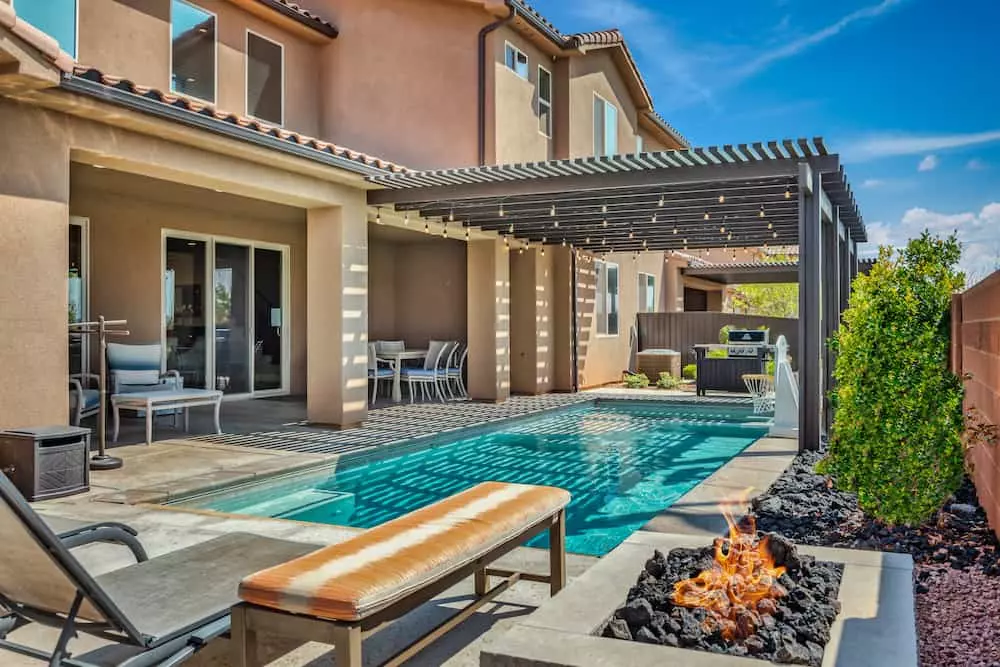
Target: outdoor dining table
<point>397,359</point>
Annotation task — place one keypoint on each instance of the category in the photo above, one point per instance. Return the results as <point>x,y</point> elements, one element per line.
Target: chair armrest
<point>106,532</point>
<point>74,385</point>
<point>85,376</point>
<point>171,374</point>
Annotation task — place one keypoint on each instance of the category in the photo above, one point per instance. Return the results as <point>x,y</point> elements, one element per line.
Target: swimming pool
<point>623,461</point>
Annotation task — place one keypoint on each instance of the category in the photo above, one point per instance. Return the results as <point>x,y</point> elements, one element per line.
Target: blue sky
<point>905,90</point>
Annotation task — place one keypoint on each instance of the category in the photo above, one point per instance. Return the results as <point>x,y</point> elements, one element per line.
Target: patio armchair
<point>133,368</point>
<point>84,399</point>
<point>157,612</point>
<point>379,370</point>
<point>456,369</point>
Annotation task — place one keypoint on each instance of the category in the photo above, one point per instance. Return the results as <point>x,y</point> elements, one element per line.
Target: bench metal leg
<point>557,553</point>
<point>114,406</point>
<point>482,582</point>
<point>243,639</point>
<point>347,645</point>
<point>218,407</point>
<point>149,422</point>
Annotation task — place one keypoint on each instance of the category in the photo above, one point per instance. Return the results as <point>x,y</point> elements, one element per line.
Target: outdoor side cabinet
<point>46,462</point>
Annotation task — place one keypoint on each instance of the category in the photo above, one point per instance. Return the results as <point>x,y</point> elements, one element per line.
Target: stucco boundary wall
<point>976,355</point>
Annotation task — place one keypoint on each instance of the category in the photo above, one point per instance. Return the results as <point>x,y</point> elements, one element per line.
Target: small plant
<point>667,381</point>
<point>897,434</point>
<point>636,380</point>
<point>690,372</point>
<point>724,333</point>
<point>769,367</point>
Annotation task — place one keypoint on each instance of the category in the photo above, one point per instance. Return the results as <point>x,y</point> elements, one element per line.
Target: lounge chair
<point>157,612</point>
<point>342,592</point>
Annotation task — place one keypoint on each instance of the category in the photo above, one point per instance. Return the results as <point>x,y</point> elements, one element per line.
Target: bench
<point>341,593</point>
<point>151,402</point>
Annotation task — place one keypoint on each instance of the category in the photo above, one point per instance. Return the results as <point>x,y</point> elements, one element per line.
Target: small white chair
<point>456,369</point>
<point>379,370</point>
<point>761,388</point>
<point>427,377</point>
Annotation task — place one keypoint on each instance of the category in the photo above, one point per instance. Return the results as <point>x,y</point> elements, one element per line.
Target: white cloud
<point>872,183</point>
<point>975,164</point>
<point>793,48</point>
<point>929,163</point>
<point>978,232</point>
<point>888,145</point>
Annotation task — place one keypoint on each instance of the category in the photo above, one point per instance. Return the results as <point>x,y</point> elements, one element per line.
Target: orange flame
<point>741,584</point>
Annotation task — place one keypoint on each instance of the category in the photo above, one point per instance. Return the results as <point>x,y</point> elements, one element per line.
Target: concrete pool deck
<point>172,468</point>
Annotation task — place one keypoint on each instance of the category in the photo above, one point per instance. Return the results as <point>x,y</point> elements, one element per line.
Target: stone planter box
<point>876,626</point>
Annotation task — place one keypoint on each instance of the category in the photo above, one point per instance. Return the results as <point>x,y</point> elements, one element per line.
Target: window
<point>516,61</point>
<point>606,298</point>
<point>638,144</point>
<point>605,127</point>
<point>192,51</point>
<point>545,101</point>
<point>56,18</point>
<point>647,293</point>
<point>265,79</point>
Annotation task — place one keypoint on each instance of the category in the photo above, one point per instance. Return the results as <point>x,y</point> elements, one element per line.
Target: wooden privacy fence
<point>682,331</point>
<point>975,340</point>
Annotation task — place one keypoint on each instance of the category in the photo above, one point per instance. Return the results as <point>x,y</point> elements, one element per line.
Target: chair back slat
<point>434,350</point>
<point>39,572</point>
<point>390,346</point>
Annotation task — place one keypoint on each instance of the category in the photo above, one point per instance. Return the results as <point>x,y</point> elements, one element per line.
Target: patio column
<point>489,320</point>
<point>832,231</point>
<point>531,322</point>
<point>562,319</point>
<point>810,362</point>
<point>674,284</point>
<point>845,270</point>
<point>337,314</point>
<point>34,254</point>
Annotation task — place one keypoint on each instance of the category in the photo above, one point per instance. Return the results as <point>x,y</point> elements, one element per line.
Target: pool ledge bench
<point>338,594</point>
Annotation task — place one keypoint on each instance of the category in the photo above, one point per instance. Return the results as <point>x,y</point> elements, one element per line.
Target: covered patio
<point>596,215</point>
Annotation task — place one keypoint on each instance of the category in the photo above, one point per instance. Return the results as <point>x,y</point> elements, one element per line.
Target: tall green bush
<point>896,439</point>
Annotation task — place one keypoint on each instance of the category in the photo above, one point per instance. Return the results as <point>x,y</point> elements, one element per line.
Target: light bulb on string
<point>451,215</point>
<point>604,241</point>
<point>604,208</point>
<point>774,235</point>
<point>543,251</point>
<point>552,211</point>
<point>761,214</point>
<point>707,216</point>
<point>427,228</point>
<point>604,222</point>
<point>631,234</point>
<point>378,216</point>
<point>730,237</point>
<point>406,218</point>
<point>467,235</point>
<point>662,202</point>
<point>564,243</point>
<point>722,230</point>
<point>510,228</point>
<point>788,192</point>
<point>444,231</point>
<point>501,212</point>
<point>722,199</point>
<point>770,225</point>
<point>555,223</point>
<point>587,240</point>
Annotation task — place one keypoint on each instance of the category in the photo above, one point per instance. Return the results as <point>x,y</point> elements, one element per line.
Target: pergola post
<point>810,311</point>
<point>831,305</point>
<point>845,269</point>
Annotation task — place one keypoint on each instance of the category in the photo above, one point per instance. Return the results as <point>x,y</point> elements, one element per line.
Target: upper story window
<point>605,127</point>
<point>545,101</point>
<point>515,60</point>
<point>647,293</point>
<point>192,50</point>
<point>606,297</point>
<point>56,18</point>
<point>265,79</point>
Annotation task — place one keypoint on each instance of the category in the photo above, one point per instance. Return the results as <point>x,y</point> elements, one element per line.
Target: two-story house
<point>181,164</point>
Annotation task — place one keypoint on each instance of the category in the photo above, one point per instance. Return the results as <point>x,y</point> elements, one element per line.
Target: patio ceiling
<point>745,273</point>
<point>743,196</point>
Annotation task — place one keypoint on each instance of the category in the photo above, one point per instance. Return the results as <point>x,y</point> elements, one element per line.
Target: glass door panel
<point>232,318</point>
<point>76,302</point>
<point>185,320</point>
<point>269,314</point>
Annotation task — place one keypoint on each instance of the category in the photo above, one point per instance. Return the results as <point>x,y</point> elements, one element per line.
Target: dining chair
<point>456,369</point>
<point>426,377</point>
<point>379,370</point>
<point>389,346</point>
<point>447,357</point>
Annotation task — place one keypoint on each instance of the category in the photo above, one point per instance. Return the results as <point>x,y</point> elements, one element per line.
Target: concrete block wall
<point>976,353</point>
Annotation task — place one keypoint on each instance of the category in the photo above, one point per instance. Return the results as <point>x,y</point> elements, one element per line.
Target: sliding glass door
<point>76,288</point>
<point>225,324</point>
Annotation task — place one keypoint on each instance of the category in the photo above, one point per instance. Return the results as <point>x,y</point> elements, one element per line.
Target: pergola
<point>788,193</point>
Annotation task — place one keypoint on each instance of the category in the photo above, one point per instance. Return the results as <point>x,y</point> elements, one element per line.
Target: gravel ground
<point>956,558</point>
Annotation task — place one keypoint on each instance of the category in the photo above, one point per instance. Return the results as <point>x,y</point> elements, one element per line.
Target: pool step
<point>307,500</point>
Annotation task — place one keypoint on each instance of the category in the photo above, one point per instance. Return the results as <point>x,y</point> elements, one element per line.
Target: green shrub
<point>769,367</point>
<point>717,353</point>
<point>636,381</point>
<point>690,372</point>
<point>667,381</point>
<point>896,439</point>
<point>724,333</point>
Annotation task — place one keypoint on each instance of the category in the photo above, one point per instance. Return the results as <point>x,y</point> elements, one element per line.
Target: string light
<point>707,216</point>
<point>520,251</point>
<point>552,211</point>
<point>543,252</point>
<point>761,214</point>
<point>406,218</point>
<point>788,192</point>
<point>675,228</point>
<point>501,211</point>
<point>722,199</point>
<point>444,231</point>
<point>467,235</point>
<point>604,222</point>
<point>378,216</point>
<point>451,216</point>
<point>730,237</point>
<point>510,229</point>
<point>644,243</point>
<point>663,201</point>
<point>722,230</point>
<point>654,218</point>
<point>774,235</point>
<point>604,241</point>
<point>587,240</point>
<point>564,243</point>
<point>635,256</point>
<point>427,227</point>
<point>506,241</point>
<point>770,225</point>
<point>631,234</point>
<point>555,223</point>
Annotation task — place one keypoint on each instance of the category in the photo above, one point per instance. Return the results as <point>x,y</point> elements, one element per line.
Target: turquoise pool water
<point>622,461</point>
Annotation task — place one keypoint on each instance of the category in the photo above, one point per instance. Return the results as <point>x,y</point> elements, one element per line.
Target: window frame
<point>215,55</point>
<point>508,46</point>
<point>246,76</point>
<point>76,27</point>
<point>547,133</point>
<point>646,284</point>
<point>606,104</point>
<point>602,292</point>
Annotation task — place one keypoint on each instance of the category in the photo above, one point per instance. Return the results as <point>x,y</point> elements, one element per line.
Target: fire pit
<point>744,596</point>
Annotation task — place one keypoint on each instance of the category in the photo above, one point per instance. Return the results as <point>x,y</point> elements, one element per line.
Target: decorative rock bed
<point>792,627</point>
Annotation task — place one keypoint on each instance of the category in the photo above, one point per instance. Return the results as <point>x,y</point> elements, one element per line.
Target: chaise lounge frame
<point>249,620</point>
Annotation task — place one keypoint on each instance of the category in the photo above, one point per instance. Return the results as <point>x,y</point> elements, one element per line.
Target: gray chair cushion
<point>169,594</point>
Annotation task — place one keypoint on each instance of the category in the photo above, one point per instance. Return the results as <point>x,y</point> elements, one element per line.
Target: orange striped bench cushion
<point>354,579</point>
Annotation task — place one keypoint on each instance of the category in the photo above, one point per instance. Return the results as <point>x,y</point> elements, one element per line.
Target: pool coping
<point>875,628</point>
